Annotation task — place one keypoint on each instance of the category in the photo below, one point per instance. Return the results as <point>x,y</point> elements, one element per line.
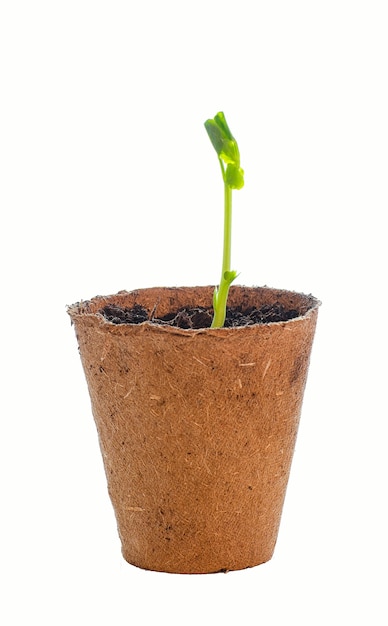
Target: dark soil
<point>200,317</point>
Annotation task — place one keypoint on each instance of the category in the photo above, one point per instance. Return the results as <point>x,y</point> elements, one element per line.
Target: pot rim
<point>90,309</point>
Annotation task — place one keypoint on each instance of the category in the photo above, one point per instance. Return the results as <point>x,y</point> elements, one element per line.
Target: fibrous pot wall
<point>197,427</point>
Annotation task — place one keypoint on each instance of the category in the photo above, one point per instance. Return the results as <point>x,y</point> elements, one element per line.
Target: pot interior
<point>160,301</point>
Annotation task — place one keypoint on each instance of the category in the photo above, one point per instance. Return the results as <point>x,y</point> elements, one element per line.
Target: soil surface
<point>200,317</point>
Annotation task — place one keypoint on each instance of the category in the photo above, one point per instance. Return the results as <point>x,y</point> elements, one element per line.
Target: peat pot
<point>196,427</point>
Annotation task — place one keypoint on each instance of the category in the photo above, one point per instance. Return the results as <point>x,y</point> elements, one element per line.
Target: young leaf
<point>234,176</point>
<point>222,139</point>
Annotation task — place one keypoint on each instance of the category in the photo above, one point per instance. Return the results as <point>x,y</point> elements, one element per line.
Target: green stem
<point>221,294</point>
<point>227,253</point>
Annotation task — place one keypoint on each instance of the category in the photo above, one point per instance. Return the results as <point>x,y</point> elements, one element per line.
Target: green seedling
<point>233,176</point>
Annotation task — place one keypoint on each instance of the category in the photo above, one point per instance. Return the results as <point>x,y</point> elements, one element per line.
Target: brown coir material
<point>196,427</point>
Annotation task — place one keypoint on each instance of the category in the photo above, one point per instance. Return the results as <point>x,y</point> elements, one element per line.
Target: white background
<point>109,182</point>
